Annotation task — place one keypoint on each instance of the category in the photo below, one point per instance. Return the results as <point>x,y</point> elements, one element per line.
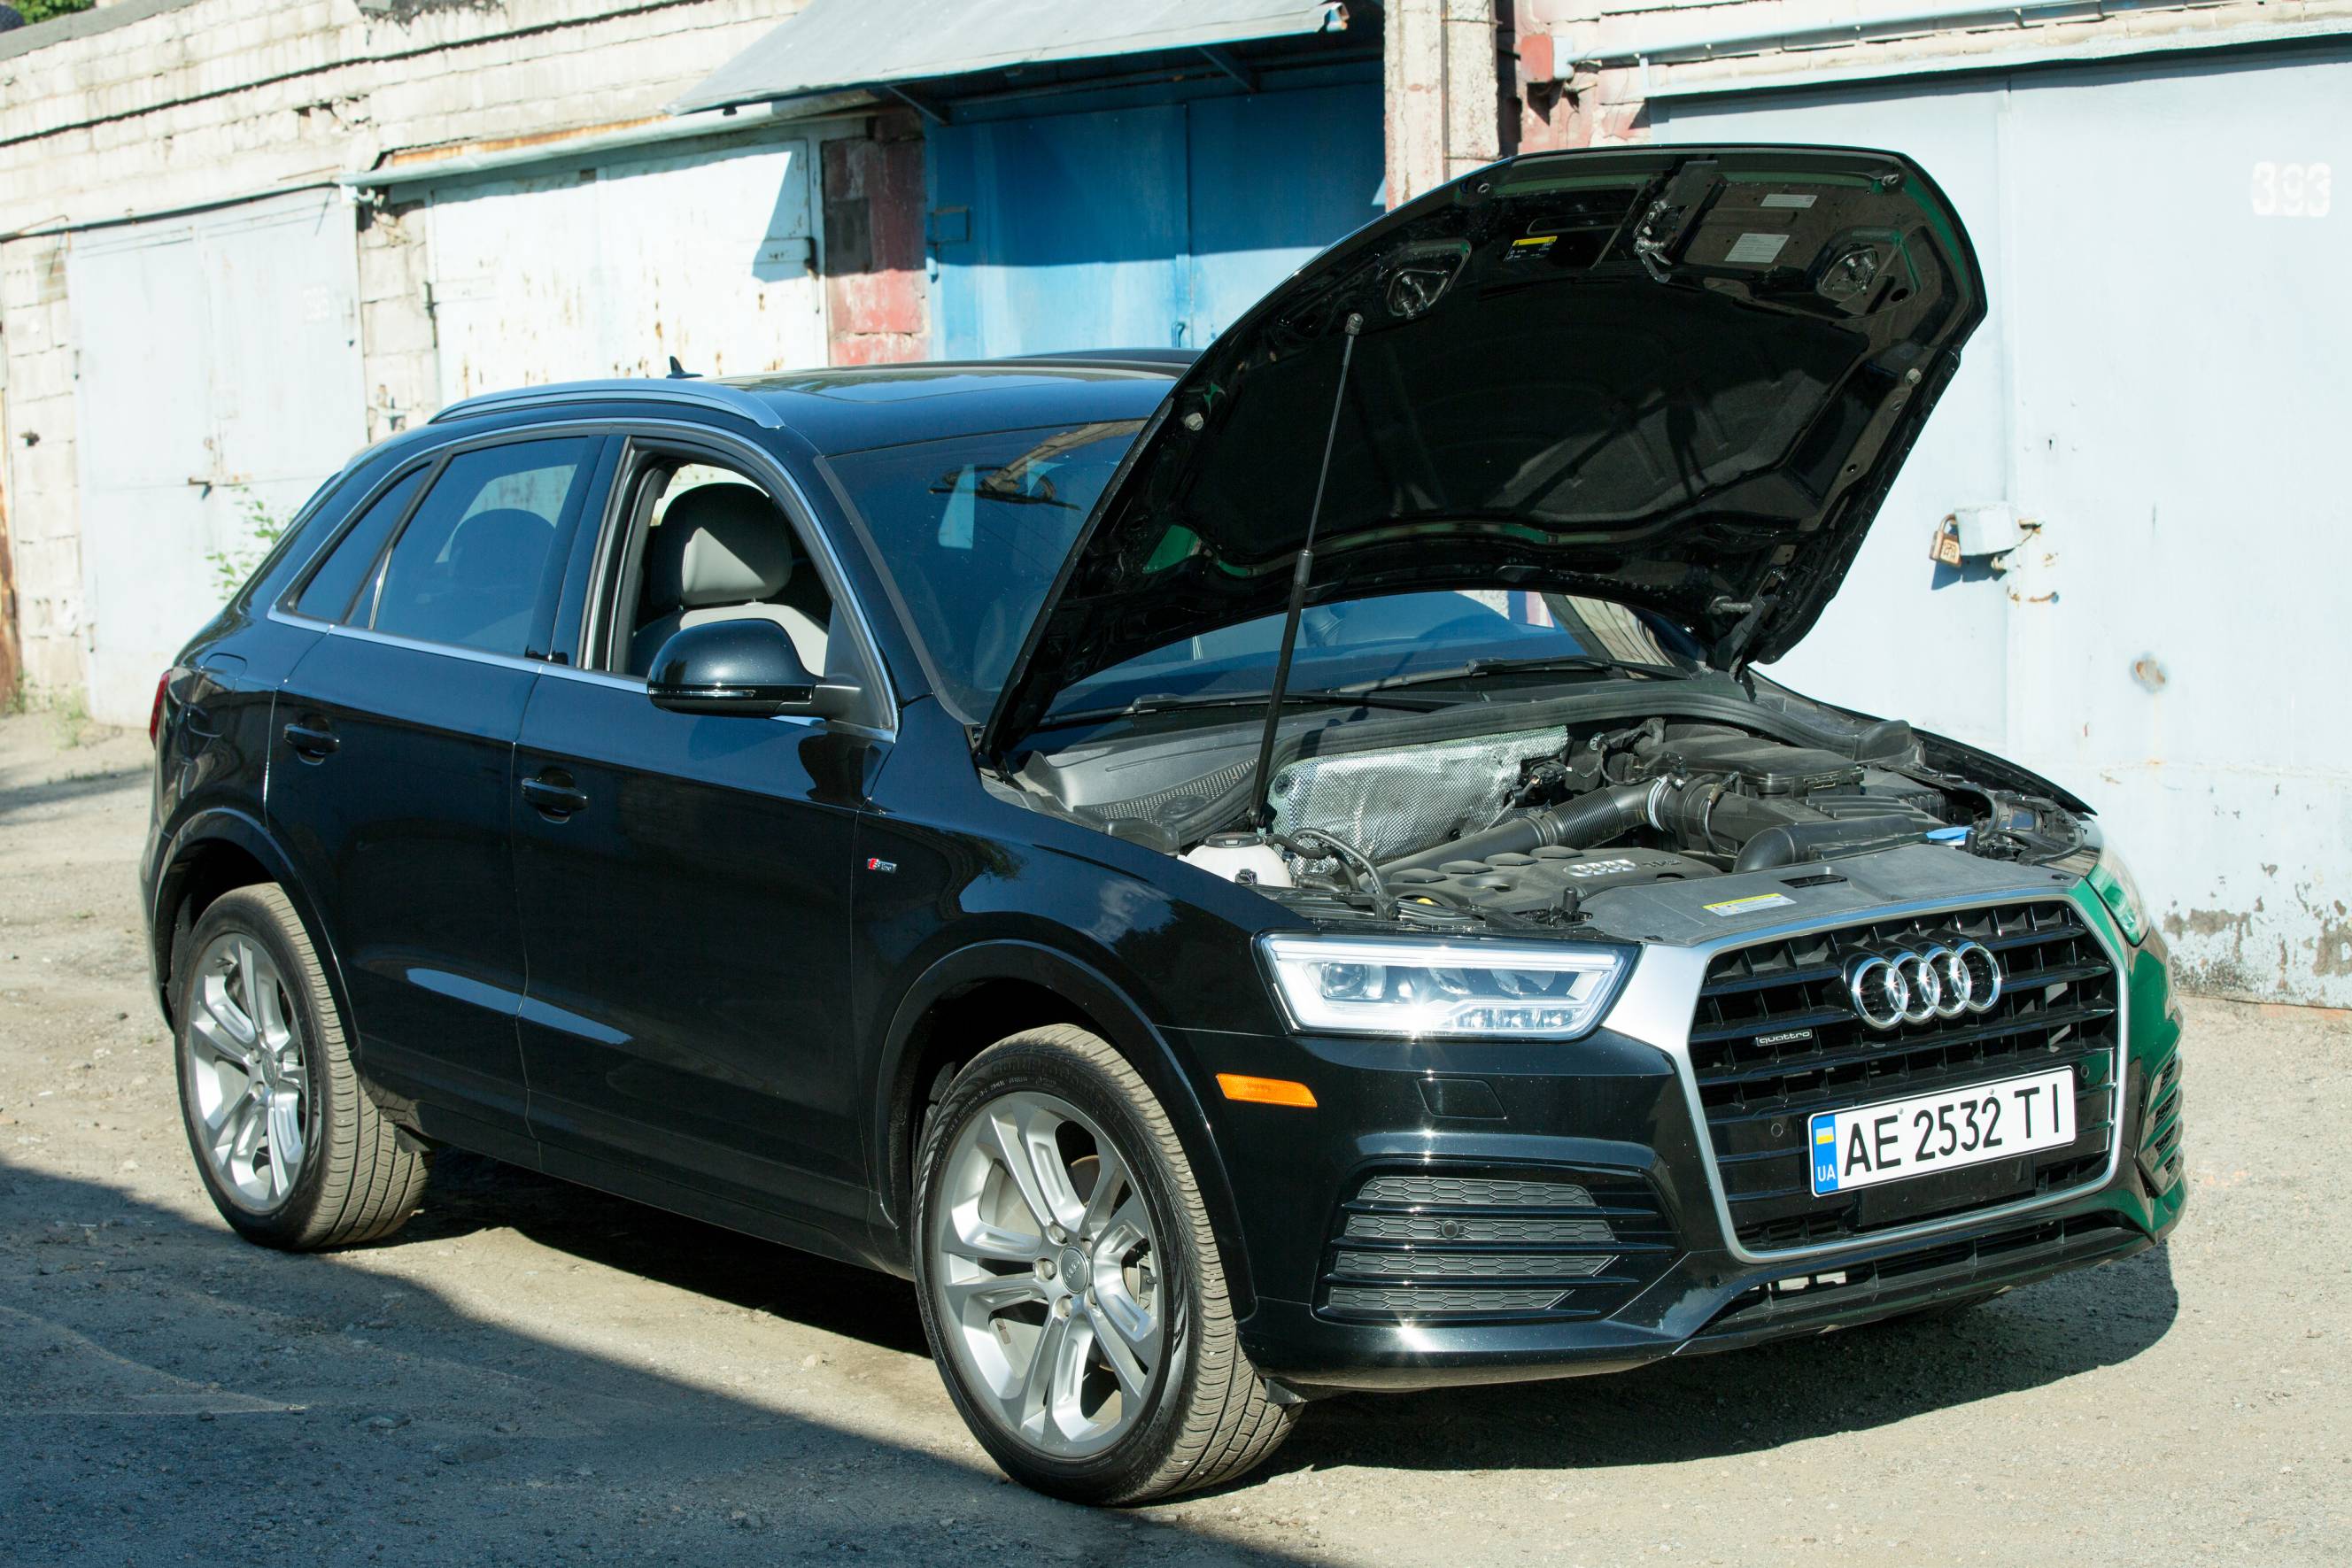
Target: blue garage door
<point>1140,227</point>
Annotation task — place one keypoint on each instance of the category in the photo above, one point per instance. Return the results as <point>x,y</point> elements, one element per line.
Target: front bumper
<point>1608,1133</point>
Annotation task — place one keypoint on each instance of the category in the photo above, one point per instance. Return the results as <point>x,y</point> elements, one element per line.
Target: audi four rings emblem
<point>1938,980</point>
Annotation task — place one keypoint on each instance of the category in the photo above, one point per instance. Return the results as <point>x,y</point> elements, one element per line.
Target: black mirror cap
<point>746,669</point>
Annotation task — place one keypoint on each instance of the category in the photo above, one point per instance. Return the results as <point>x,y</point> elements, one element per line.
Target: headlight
<point>1421,989</point>
<point>2112,882</point>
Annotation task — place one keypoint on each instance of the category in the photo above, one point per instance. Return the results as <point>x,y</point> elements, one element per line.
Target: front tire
<point>1071,1287</point>
<point>290,1148</point>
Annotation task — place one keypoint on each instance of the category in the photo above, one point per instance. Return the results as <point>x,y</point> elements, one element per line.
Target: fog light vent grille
<point>1477,1246</point>
<point>1464,1227</point>
<point>1485,1191</point>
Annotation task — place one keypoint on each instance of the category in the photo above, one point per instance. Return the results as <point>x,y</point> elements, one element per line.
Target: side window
<point>713,546</point>
<point>328,594</point>
<point>485,551</point>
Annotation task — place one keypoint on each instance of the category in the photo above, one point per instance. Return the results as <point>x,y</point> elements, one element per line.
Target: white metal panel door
<point>218,372</point>
<point>2180,349</point>
<point>2161,388</point>
<point>609,269</point>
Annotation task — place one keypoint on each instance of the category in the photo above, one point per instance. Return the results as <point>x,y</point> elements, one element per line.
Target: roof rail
<point>707,394</point>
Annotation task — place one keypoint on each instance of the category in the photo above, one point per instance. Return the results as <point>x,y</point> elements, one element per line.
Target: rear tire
<point>1084,1330</point>
<point>290,1148</point>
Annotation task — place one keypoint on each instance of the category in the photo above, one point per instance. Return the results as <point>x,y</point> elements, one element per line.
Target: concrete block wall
<point>44,520</point>
<point>152,107</point>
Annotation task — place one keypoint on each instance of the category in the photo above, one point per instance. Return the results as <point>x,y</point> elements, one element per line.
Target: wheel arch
<point>215,852</point>
<point>979,994</point>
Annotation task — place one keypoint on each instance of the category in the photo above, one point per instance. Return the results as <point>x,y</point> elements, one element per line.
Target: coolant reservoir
<point>1241,857</point>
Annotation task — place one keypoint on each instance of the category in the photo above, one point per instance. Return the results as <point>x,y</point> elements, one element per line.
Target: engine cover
<point>1525,883</point>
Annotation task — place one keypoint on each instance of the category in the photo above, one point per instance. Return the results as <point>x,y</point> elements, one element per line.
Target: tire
<point>1205,1415</point>
<point>288,1145</point>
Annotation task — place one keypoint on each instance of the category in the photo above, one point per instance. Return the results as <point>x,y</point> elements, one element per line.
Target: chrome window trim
<point>1661,997</point>
<point>761,463</point>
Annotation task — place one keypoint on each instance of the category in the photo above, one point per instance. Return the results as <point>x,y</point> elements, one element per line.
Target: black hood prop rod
<point>1261,815</point>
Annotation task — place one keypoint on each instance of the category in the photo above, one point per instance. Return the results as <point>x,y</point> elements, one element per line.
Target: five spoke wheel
<point>247,1076</point>
<point>1048,1280</point>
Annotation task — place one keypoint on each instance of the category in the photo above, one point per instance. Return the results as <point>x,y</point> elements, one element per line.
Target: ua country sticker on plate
<point>1747,905</point>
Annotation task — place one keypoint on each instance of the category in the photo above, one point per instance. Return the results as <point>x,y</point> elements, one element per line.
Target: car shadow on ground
<point>469,1192</point>
<point>175,1394</point>
<point>1710,1407</point>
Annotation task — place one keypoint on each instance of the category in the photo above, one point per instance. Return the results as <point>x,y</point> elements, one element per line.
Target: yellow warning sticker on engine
<point>1750,905</point>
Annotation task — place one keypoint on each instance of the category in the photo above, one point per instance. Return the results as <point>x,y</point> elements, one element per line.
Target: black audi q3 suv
<point>1244,877</point>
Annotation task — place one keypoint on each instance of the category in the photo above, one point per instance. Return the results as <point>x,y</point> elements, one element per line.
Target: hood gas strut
<point>1261,813</point>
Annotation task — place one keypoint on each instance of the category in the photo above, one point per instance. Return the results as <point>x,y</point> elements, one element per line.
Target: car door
<point>393,768</point>
<point>685,882</point>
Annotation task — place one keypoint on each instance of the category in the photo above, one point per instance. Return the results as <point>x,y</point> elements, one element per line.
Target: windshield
<point>1395,637</point>
<point>971,530</point>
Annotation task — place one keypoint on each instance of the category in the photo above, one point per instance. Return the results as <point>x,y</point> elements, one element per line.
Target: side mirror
<point>749,669</point>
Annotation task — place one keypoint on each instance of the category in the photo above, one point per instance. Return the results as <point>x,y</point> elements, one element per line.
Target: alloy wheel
<point>248,1079</point>
<point>1047,1276</point>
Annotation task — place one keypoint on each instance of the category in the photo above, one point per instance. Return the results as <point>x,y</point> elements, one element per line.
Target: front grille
<point>1451,1246</point>
<point>1775,1039</point>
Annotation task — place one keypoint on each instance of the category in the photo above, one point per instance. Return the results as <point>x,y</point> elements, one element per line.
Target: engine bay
<point>1527,825</point>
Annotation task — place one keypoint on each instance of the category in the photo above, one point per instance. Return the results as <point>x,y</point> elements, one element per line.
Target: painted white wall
<point>608,269</point>
<point>2161,383</point>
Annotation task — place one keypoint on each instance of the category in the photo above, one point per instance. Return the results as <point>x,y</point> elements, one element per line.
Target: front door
<point>685,879</point>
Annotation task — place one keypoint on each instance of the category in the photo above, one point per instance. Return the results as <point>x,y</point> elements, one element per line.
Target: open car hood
<point>1677,378</point>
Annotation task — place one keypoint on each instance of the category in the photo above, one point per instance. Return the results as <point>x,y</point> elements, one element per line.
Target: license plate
<point>1897,1139</point>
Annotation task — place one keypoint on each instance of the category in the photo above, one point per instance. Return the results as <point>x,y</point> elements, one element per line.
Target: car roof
<point>851,408</point>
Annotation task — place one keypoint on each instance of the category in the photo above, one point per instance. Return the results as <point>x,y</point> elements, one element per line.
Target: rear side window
<point>486,551</point>
<point>329,592</point>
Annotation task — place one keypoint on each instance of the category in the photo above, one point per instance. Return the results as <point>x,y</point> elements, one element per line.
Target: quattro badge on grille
<point>1939,979</point>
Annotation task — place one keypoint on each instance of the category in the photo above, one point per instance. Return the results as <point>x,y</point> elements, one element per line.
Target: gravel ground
<point>532,1373</point>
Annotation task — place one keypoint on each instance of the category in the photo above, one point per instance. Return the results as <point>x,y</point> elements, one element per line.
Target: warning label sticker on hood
<point>1747,905</point>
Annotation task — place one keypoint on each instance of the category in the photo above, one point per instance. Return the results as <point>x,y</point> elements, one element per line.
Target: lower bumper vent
<point>2161,1123</point>
<point>1940,1271</point>
<point>1448,1245</point>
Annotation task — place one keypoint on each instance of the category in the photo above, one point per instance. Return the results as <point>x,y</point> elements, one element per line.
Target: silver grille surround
<point>1659,999</point>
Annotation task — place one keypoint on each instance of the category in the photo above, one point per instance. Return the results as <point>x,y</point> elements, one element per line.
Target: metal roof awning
<point>831,45</point>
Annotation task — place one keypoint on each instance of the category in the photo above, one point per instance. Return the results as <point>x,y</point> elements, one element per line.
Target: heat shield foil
<point>1392,803</point>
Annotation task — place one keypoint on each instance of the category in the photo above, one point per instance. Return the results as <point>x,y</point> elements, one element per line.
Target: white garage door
<point>218,376</point>
<point>608,269</point>
<point>2162,385</point>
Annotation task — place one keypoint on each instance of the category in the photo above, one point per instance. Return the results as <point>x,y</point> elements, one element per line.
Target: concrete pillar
<point>1444,98</point>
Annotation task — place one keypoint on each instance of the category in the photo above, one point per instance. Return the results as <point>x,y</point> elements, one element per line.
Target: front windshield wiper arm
<point>1492,666</point>
<point>1171,702</point>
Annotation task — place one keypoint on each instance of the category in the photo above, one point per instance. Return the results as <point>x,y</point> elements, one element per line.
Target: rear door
<point>685,884</point>
<point>393,768</point>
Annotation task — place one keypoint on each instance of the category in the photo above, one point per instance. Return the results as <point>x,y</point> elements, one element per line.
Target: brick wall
<point>874,255</point>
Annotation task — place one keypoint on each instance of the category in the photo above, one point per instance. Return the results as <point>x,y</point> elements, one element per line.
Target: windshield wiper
<point>1173,702</point>
<point>1492,666</point>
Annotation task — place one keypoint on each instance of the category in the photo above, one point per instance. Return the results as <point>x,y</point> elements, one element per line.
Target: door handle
<point>312,742</point>
<point>553,797</point>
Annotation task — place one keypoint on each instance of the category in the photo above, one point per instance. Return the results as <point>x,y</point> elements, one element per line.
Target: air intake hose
<point>1591,819</point>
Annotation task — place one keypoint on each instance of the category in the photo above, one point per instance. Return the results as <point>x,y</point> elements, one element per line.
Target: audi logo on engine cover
<point>1939,979</point>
